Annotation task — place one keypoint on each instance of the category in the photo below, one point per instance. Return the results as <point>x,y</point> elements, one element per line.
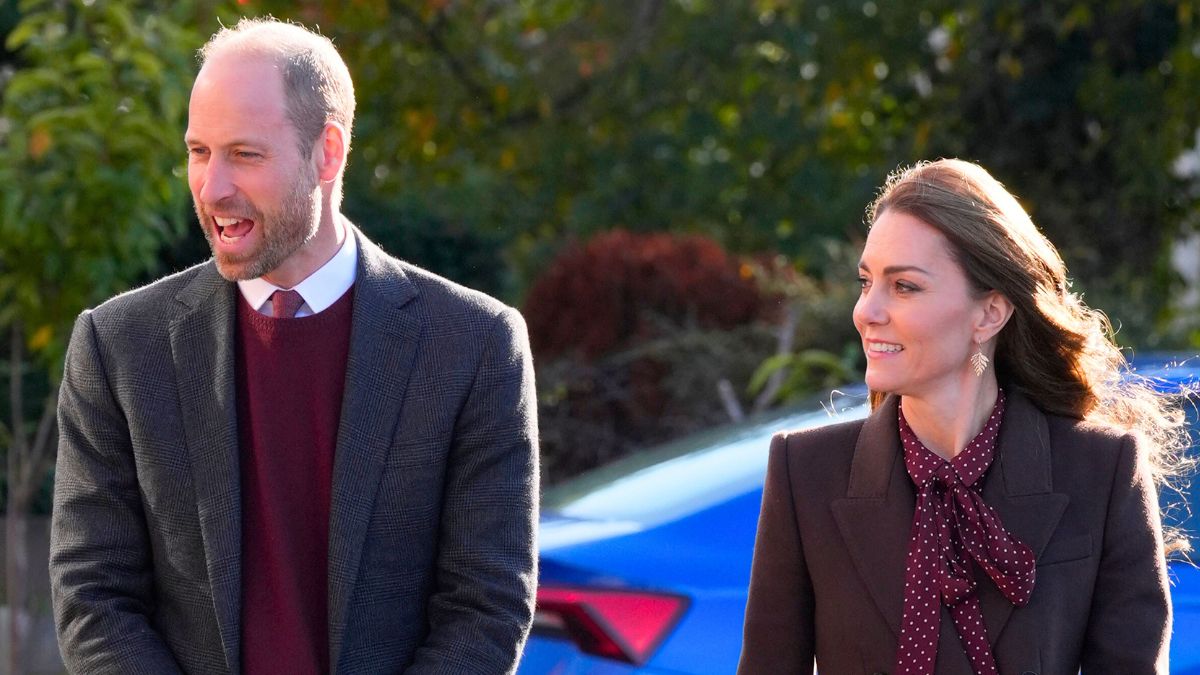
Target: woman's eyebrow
<point>896,269</point>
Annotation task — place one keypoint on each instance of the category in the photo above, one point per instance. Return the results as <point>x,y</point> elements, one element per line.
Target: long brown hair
<point>1054,349</point>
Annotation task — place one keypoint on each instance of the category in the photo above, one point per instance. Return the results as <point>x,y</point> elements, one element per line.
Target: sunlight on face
<point>916,313</point>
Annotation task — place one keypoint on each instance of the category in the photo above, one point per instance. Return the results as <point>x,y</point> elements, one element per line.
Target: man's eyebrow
<point>192,140</point>
<point>896,269</point>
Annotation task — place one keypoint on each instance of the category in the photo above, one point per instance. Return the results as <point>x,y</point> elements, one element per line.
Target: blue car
<point>645,563</point>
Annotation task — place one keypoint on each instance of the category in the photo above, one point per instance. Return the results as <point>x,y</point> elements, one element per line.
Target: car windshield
<point>692,474</point>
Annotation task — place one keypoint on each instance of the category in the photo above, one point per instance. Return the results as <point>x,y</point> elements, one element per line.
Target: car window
<point>688,476</point>
<point>1182,509</point>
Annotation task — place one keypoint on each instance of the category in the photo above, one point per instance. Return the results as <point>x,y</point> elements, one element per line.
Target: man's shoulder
<point>435,297</point>
<point>444,293</point>
<point>155,302</point>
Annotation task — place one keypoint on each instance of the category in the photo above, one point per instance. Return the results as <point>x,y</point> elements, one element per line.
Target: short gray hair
<point>316,81</point>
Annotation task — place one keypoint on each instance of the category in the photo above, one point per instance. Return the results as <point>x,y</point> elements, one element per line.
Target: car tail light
<point>618,624</point>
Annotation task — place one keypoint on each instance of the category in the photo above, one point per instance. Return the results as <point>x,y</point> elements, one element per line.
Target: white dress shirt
<point>319,289</point>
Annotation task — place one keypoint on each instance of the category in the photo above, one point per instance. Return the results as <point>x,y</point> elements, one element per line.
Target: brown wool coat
<point>829,562</point>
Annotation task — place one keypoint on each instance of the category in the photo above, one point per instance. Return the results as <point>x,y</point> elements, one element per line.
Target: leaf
<point>768,368</point>
<point>41,338</point>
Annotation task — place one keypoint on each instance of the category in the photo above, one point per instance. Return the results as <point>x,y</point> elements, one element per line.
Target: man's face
<point>256,197</point>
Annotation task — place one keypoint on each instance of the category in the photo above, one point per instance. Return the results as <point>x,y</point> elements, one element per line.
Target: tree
<point>91,161</point>
<point>768,125</point>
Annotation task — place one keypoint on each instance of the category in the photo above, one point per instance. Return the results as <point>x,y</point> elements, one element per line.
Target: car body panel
<point>682,519</point>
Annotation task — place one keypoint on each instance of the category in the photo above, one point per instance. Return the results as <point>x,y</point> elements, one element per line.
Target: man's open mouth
<point>233,229</point>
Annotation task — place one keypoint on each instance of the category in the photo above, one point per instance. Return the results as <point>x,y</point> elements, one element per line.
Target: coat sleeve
<point>101,580</point>
<point>778,636</point>
<point>1130,621</point>
<point>482,604</point>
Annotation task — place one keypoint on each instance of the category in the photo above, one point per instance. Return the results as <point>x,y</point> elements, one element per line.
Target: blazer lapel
<point>1018,487</point>
<point>383,343</point>
<point>202,350</point>
<point>875,518</point>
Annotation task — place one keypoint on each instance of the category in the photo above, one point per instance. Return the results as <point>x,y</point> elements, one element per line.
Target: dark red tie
<point>951,527</point>
<point>285,304</point>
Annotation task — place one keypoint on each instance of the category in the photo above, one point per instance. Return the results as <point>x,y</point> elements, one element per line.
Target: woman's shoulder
<point>831,442</point>
<point>1090,447</point>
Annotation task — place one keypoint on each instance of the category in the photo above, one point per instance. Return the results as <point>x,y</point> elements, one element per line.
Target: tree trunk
<point>16,577</point>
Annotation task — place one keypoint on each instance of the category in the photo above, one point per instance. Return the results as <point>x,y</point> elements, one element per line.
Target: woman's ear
<point>996,311</point>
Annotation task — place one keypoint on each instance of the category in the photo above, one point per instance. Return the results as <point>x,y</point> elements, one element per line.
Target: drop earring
<point>979,361</point>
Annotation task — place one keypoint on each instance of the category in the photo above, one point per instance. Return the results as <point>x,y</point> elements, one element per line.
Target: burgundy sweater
<point>290,377</point>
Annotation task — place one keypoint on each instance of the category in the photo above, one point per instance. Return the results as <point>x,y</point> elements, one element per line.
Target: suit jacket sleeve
<point>482,606</point>
<point>100,568</point>
<point>1130,620</point>
<point>778,636</point>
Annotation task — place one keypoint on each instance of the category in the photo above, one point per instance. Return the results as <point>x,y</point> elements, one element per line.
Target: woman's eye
<point>905,287</point>
<point>864,282</point>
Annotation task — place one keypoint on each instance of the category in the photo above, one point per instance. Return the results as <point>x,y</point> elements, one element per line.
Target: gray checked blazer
<point>432,565</point>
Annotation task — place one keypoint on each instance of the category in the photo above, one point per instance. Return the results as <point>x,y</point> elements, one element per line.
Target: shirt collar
<point>970,464</point>
<point>320,289</point>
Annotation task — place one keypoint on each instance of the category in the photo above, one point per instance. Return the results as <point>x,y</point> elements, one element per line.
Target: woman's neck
<point>947,420</point>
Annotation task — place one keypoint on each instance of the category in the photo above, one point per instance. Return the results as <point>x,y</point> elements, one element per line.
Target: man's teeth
<point>226,222</point>
<point>885,347</point>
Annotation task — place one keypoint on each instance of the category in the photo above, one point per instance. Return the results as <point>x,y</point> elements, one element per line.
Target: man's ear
<point>997,310</point>
<point>330,150</point>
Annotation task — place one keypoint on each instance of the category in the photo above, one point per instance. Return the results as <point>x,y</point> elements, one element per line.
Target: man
<point>251,480</point>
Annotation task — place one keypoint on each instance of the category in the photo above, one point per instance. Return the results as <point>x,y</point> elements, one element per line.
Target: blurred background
<point>672,191</point>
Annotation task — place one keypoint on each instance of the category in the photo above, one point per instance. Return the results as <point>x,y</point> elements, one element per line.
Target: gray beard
<point>282,232</point>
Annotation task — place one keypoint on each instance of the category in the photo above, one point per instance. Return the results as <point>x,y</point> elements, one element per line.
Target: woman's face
<point>917,315</point>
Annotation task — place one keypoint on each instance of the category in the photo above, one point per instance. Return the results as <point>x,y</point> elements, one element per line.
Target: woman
<point>997,510</point>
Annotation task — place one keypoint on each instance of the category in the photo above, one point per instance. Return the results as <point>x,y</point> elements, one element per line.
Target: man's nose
<point>216,182</point>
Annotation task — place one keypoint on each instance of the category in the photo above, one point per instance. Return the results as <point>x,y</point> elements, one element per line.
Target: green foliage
<point>90,157</point>
<point>769,124</point>
<point>807,371</point>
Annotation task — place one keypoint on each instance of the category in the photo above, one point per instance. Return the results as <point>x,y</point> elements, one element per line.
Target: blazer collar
<point>875,517</point>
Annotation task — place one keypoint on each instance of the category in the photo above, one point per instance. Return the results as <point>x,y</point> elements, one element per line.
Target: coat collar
<point>384,335</point>
<point>875,517</point>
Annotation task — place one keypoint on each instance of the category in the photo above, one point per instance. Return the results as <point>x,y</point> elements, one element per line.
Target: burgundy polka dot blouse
<point>951,528</point>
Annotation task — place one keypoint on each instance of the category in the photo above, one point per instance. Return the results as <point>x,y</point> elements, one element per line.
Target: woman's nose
<point>870,308</point>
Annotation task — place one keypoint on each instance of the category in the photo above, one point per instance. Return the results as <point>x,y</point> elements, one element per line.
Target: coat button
<point>1029,672</point>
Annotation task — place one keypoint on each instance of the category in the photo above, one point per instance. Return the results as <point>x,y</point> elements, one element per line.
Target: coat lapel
<point>202,350</point>
<point>383,343</point>
<point>875,517</point>
<point>1018,487</point>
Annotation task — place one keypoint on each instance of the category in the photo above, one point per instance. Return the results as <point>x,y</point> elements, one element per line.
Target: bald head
<point>316,82</point>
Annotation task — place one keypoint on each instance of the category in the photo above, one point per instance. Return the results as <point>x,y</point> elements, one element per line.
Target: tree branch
<point>645,20</point>
<point>16,446</point>
<point>787,339</point>
<point>433,35</point>
<point>40,453</point>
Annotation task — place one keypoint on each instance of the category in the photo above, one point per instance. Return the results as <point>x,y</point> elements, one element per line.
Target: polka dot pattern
<point>952,527</point>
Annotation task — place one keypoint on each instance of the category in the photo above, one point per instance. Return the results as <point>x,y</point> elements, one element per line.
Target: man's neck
<point>313,254</point>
